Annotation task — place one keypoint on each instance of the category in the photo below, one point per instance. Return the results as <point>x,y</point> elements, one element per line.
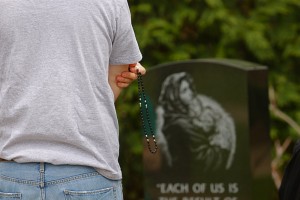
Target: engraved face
<point>185,92</point>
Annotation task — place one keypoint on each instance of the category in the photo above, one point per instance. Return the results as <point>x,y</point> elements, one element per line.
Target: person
<point>193,128</point>
<point>290,187</point>
<point>63,63</point>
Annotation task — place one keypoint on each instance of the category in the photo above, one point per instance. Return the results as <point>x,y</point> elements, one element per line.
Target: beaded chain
<point>141,92</point>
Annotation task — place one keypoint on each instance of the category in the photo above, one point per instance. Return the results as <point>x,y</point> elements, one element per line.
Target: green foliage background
<point>260,31</point>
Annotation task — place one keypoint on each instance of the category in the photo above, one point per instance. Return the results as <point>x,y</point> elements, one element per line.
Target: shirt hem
<point>108,175</point>
<point>122,61</point>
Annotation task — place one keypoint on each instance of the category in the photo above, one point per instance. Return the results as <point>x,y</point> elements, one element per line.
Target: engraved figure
<point>192,127</point>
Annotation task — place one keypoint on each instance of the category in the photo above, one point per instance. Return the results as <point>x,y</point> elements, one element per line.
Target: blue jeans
<point>43,181</point>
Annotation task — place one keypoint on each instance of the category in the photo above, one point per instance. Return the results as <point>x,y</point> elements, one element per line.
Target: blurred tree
<point>261,31</point>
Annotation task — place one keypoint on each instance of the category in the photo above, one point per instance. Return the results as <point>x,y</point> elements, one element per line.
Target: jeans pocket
<point>10,196</point>
<point>102,194</point>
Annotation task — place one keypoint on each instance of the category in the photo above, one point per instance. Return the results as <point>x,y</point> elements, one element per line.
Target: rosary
<point>142,96</point>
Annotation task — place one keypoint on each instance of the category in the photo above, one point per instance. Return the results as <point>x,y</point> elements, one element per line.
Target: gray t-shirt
<point>56,104</point>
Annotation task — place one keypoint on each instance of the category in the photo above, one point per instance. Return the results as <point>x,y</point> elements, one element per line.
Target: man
<point>63,63</point>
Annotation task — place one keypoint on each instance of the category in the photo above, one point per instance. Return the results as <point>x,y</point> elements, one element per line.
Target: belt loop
<point>42,167</point>
<point>42,175</point>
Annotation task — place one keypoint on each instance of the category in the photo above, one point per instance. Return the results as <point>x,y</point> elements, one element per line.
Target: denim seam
<point>25,182</point>
<point>10,195</point>
<point>115,193</point>
<point>72,178</point>
<point>88,192</point>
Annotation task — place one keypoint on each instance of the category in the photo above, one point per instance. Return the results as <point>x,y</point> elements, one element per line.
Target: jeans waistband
<point>54,172</point>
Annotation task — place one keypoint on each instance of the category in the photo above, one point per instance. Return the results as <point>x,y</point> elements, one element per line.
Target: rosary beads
<point>142,96</point>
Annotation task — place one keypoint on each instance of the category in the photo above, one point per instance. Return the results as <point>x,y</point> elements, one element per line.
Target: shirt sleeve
<point>125,49</point>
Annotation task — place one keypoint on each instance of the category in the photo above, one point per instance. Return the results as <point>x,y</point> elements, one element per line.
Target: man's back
<point>54,93</point>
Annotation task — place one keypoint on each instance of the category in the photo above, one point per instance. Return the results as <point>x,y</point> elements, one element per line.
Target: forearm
<point>116,90</point>
<point>114,71</point>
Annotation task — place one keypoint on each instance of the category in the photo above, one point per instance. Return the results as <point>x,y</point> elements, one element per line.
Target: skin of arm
<point>121,76</point>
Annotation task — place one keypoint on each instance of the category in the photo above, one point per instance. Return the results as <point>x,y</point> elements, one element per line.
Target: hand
<point>137,66</point>
<point>124,79</point>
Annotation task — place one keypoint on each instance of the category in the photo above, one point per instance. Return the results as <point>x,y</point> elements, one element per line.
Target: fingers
<point>127,77</point>
<point>122,85</point>
<point>137,66</point>
<point>132,67</point>
<point>141,69</point>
